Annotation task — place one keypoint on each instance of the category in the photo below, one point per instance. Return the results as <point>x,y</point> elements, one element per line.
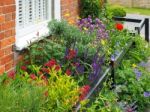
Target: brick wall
<point>7,29</point>
<point>7,34</point>
<point>70,10</point>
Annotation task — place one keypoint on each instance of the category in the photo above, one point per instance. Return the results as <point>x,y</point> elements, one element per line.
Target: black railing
<point>142,23</point>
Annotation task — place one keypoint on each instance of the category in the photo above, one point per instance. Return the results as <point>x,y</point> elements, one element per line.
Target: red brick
<point>6,42</point>
<point>13,16</point>
<point>8,9</point>
<point>2,19</point>
<point>8,25</point>
<point>2,69</point>
<point>1,35</point>
<point>13,31</point>
<point>8,2</point>
<point>9,66</point>
<point>8,33</point>
<point>1,10</point>
<point>8,50</point>
<point>6,59</point>
<point>8,17</point>
<point>2,53</point>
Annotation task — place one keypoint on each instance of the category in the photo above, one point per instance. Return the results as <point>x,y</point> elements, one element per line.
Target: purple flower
<point>138,74</point>
<point>146,94</point>
<point>112,57</point>
<point>143,64</point>
<point>90,26</point>
<point>80,69</point>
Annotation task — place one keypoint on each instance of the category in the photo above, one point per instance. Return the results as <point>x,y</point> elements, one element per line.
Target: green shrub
<point>90,7</point>
<point>118,11</point>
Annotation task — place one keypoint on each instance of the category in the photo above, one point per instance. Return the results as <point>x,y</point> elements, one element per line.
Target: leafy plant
<point>105,102</point>
<point>89,7</point>
<point>117,11</point>
<point>63,92</point>
<point>17,95</point>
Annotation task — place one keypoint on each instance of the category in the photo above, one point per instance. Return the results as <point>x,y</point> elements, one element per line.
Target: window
<point>32,17</point>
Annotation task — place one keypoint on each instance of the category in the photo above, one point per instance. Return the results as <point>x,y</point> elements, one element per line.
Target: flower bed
<point>67,67</point>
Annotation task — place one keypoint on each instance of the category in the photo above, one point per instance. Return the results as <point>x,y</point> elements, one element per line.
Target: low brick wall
<point>131,3</point>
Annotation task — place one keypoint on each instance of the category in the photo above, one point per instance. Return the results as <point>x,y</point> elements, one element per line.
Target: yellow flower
<point>103,42</point>
<point>84,28</point>
<point>78,17</point>
<point>134,65</point>
<point>67,15</point>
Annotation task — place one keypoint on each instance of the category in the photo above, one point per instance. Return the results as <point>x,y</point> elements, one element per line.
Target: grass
<point>129,10</point>
<point>140,11</point>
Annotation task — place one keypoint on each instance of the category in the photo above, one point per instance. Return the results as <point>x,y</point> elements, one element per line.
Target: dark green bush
<point>118,11</point>
<point>89,7</point>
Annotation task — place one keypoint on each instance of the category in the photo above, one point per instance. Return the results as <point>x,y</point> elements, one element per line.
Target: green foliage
<point>90,7</point>
<point>141,50</point>
<point>21,93</point>
<point>105,102</point>
<point>41,51</point>
<point>20,96</point>
<point>132,89</point>
<point>63,92</point>
<point>116,11</point>
<point>133,79</point>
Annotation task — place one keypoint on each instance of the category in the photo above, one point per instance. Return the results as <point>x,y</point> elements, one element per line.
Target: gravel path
<point>130,26</point>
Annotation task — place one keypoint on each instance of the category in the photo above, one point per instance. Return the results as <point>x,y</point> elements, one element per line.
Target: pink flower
<point>68,72</point>
<point>11,74</point>
<point>33,76</point>
<point>24,68</point>
<point>51,63</point>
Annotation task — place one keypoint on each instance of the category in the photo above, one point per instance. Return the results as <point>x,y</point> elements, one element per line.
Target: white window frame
<point>24,37</point>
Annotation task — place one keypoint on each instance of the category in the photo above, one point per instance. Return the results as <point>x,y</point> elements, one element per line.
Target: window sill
<point>24,40</point>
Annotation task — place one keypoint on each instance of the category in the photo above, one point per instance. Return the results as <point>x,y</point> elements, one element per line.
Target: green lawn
<point>140,11</point>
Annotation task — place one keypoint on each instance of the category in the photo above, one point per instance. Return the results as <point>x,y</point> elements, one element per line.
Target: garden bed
<point>75,66</point>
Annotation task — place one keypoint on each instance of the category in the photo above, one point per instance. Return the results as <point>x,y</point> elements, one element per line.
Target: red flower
<point>84,91</point>
<point>57,68</point>
<point>76,64</point>
<point>40,73</point>
<point>32,76</point>
<point>44,77</point>
<point>68,72</point>
<point>72,53</point>
<point>11,74</point>
<point>82,96</point>
<point>45,70</point>
<point>119,26</point>
<point>24,68</point>
<point>51,63</point>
